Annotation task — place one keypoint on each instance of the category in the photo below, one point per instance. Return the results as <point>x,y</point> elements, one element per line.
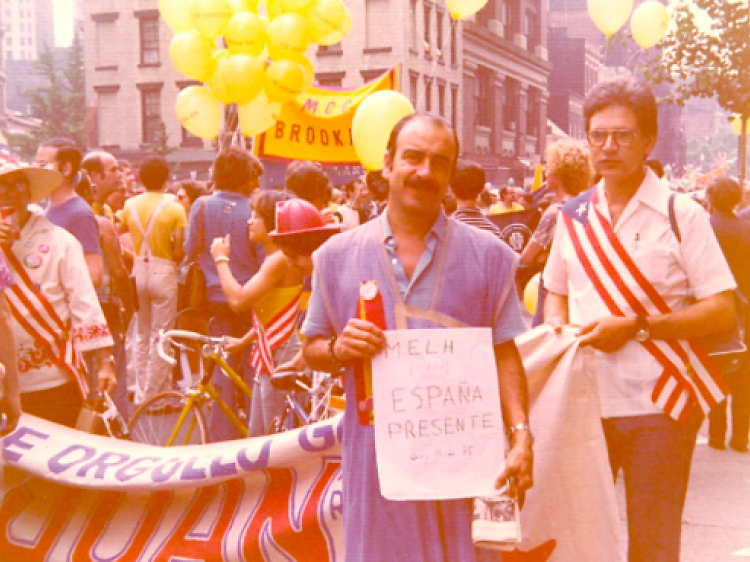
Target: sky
<point>63,22</point>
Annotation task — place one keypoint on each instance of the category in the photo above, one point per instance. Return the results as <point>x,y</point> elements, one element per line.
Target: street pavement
<point>716,521</point>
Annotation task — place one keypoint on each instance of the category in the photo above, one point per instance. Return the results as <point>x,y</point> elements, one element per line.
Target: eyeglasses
<point>12,188</point>
<point>621,137</point>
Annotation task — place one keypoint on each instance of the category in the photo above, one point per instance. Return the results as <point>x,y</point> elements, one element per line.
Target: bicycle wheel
<point>154,421</point>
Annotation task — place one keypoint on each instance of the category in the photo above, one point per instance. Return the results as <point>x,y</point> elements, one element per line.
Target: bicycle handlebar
<point>171,335</point>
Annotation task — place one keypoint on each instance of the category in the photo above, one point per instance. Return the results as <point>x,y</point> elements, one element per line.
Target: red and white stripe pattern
<point>270,337</point>
<point>689,378</point>
<point>35,314</point>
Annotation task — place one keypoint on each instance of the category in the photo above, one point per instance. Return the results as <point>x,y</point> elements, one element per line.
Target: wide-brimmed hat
<point>296,217</point>
<point>42,182</point>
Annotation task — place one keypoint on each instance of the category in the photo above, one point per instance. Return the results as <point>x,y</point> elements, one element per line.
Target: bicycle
<point>176,417</point>
<point>319,388</point>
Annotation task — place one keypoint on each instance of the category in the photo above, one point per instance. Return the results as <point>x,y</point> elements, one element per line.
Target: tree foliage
<point>707,63</point>
<point>60,105</point>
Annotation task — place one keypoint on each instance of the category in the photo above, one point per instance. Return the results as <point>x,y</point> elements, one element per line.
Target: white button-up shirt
<point>694,269</point>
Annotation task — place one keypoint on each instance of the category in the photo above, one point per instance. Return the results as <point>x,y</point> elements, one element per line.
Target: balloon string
<point>441,50</point>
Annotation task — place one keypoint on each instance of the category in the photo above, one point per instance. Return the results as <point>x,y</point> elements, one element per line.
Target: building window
<point>334,49</point>
<point>149,40</point>
<point>439,33</point>
<point>414,89</point>
<point>454,108</point>
<point>414,24</point>
<point>441,100</point>
<point>428,94</point>
<point>427,18</point>
<point>510,97</point>
<point>532,113</point>
<point>376,12</point>
<point>454,46</point>
<point>151,116</point>
<point>484,97</point>
<point>329,82</point>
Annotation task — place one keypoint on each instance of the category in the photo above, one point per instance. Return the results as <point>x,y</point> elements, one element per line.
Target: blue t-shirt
<point>76,217</point>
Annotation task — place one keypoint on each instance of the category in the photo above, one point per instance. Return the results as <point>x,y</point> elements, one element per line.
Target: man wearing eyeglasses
<point>641,297</point>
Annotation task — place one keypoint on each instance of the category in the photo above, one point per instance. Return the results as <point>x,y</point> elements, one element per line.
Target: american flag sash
<point>689,377</point>
<point>272,335</point>
<point>35,314</point>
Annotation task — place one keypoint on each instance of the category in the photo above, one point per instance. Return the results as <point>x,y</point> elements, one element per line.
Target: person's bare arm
<point>94,265</point>
<point>531,253</point>
<point>178,249</point>
<point>359,340</point>
<point>709,316</point>
<point>242,297</point>
<point>515,405</point>
<point>112,254</point>
<point>556,310</point>
<point>10,398</point>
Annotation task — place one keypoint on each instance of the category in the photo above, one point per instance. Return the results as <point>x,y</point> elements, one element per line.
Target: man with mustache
<point>413,255</point>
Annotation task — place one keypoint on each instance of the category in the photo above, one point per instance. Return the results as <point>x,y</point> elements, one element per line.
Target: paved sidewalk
<point>716,521</point>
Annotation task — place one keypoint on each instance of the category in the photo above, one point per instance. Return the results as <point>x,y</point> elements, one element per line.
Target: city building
<point>569,21</point>
<point>486,74</point>
<point>28,28</point>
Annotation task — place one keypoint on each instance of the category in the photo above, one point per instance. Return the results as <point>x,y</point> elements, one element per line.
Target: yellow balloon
<point>373,122</point>
<point>273,9</point>
<point>190,54</point>
<point>531,294</point>
<point>258,115</point>
<point>338,35</point>
<point>243,5</point>
<point>199,112</point>
<point>210,17</point>
<point>285,80</point>
<point>307,68</point>
<point>649,23</point>
<point>460,9</point>
<point>287,36</point>
<point>241,77</point>
<point>177,14</point>
<point>246,32</point>
<point>293,5</point>
<point>737,125</point>
<point>325,17</point>
<point>610,15</point>
<point>216,79</point>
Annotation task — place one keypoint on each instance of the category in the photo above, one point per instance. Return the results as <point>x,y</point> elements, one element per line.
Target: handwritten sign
<point>438,426</point>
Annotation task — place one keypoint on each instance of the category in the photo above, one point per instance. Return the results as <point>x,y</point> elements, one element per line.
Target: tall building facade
<point>570,20</point>
<point>28,27</point>
<point>487,75</point>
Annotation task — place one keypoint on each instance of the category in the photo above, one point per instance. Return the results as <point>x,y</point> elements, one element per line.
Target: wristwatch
<point>521,427</point>
<point>642,332</point>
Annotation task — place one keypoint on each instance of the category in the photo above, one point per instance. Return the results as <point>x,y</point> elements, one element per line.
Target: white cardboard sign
<point>439,431</point>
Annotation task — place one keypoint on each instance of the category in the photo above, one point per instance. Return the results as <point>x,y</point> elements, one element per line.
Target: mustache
<point>422,183</point>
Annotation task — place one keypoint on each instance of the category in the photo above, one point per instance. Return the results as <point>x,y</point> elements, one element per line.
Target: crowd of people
<point>93,264</point>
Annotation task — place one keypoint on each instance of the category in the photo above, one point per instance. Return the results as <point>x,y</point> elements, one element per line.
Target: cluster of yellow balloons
<point>263,63</point>
<point>648,23</point>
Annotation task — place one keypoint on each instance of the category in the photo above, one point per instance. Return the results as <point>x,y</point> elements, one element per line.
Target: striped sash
<point>271,336</point>
<point>35,314</point>
<point>626,292</point>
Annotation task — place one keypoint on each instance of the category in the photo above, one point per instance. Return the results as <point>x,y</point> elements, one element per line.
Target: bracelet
<point>221,259</point>
<point>332,352</point>
<point>521,427</point>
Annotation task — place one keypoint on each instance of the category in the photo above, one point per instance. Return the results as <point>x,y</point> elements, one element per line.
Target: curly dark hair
<point>264,203</point>
<point>306,180</point>
<point>233,168</point>
<point>629,92</point>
